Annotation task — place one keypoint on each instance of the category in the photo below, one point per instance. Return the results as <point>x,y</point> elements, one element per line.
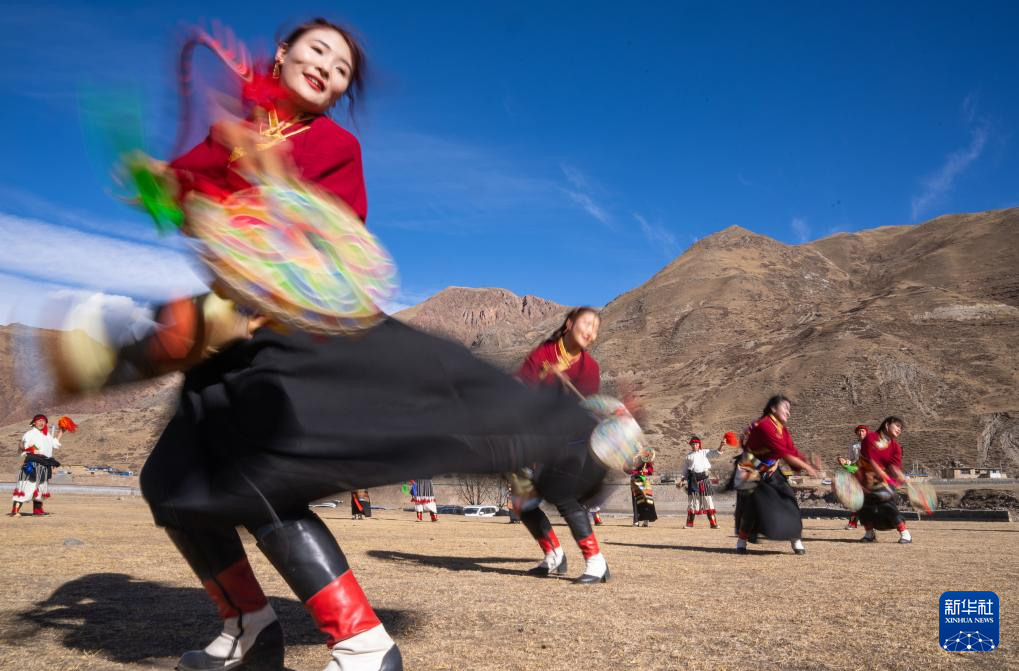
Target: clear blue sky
<point>567,150</point>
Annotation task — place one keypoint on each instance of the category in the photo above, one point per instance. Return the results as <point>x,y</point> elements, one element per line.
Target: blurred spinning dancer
<point>563,364</point>
<point>280,418</point>
<point>770,508</point>
<point>851,460</point>
<point>879,473</point>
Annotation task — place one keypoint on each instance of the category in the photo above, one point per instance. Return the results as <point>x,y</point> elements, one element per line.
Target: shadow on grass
<point>130,620</point>
<point>454,563</point>
<point>986,531</point>
<point>696,548</point>
<point>855,540</point>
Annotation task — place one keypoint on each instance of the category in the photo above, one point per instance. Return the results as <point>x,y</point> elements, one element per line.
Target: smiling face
<point>316,69</point>
<point>583,331</point>
<point>894,430</point>
<point>39,423</point>
<point>861,433</point>
<point>782,411</point>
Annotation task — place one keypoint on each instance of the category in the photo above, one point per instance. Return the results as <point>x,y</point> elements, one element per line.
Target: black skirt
<point>771,509</point>
<point>281,420</point>
<point>699,483</point>
<point>880,511</point>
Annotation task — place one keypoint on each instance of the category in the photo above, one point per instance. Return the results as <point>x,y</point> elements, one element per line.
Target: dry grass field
<point>97,586</point>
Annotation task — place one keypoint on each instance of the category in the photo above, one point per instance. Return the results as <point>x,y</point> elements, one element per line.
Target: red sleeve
<point>765,439</point>
<point>337,168</point>
<point>790,446</point>
<point>895,458</point>
<point>205,169</point>
<point>531,367</point>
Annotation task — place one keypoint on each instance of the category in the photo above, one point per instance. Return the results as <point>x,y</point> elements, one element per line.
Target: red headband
<point>38,417</point>
<point>861,426</point>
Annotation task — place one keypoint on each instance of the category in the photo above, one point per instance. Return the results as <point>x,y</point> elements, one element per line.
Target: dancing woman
<point>644,512</point>
<point>770,508</point>
<point>282,418</point>
<point>879,473</point>
<point>37,446</point>
<point>696,473</point>
<point>563,364</point>
<point>360,504</point>
<point>422,496</point>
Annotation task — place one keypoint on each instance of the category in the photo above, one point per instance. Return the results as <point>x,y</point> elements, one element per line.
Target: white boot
<point>239,633</point>
<point>595,570</point>
<point>905,538</point>
<point>554,562</point>
<point>371,650</point>
<point>798,547</point>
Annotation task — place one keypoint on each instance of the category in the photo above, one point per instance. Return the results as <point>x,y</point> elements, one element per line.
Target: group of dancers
<point>270,419</point>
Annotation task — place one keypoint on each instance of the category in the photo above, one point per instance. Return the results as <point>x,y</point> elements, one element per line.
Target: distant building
<point>960,473</point>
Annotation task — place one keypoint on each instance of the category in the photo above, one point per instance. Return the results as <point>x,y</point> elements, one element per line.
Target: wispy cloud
<point>936,186</point>
<point>580,192</point>
<point>35,250</point>
<point>421,181</point>
<point>586,202</point>
<point>659,237</point>
<point>800,229</point>
<point>427,182</point>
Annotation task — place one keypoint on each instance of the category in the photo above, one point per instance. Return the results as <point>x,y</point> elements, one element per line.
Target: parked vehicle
<point>449,510</point>
<point>480,511</point>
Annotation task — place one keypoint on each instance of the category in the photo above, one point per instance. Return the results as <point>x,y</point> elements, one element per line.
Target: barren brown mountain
<point>918,321</point>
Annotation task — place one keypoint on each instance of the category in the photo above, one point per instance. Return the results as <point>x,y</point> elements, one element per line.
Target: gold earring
<point>276,70</point>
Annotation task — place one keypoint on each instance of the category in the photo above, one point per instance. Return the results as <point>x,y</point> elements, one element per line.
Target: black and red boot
<point>252,638</point>
<point>538,524</point>
<point>307,556</point>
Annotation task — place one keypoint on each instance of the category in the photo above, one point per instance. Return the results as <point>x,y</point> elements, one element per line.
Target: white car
<point>480,511</point>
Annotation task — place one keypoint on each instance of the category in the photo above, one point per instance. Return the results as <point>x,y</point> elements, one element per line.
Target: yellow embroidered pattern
<point>275,132</point>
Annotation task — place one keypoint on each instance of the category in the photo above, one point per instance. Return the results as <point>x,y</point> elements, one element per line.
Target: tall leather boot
<point>595,568</point>
<point>538,524</point>
<point>307,556</point>
<point>252,638</point>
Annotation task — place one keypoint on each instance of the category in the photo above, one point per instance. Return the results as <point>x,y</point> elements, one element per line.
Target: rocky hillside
<point>918,321</point>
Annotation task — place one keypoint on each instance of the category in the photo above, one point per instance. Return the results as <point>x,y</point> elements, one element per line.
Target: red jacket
<point>769,440</point>
<point>325,154</point>
<point>891,455</point>
<point>584,373</point>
